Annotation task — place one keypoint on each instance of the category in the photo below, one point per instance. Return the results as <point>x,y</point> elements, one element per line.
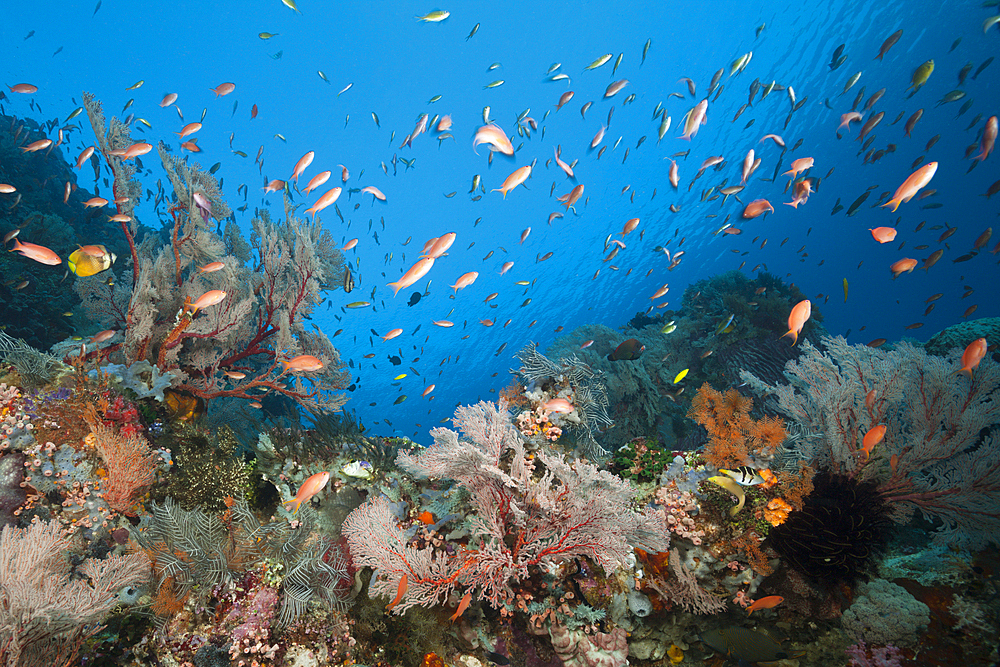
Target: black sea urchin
<point>840,532</point>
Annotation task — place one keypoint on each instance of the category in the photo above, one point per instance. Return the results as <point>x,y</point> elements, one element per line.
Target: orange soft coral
<point>777,511</point>
<point>732,434</point>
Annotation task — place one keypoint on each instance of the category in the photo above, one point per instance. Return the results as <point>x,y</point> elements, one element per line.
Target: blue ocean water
<point>395,64</point>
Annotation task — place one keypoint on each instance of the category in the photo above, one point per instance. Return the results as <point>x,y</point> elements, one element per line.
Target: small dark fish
<point>836,54</point>
<point>837,207</point>
<point>857,203</point>
<point>475,29</point>
<point>399,400</point>
<point>215,167</point>
<point>878,342</point>
<point>496,658</point>
<point>982,67</point>
<point>58,51</point>
<point>954,45</point>
<point>500,349</point>
<point>888,43</point>
<point>629,350</point>
<point>348,281</point>
<point>32,34</point>
<point>96,8</point>
<point>836,65</point>
<point>964,72</point>
<point>934,205</point>
<point>414,299</point>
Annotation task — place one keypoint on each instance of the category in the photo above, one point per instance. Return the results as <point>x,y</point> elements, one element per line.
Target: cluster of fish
<point>801,182</point>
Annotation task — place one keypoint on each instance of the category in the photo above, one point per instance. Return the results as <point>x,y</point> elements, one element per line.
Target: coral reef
<point>238,345</point>
<point>939,453</point>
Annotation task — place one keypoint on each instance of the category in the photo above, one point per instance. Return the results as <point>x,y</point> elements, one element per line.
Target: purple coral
<point>881,656</point>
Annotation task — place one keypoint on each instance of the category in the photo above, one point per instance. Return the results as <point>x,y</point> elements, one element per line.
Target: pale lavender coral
<point>881,656</point>
<point>578,649</point>
<point>255,616</point>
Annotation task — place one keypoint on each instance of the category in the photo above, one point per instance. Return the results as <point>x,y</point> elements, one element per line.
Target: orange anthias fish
<point>329,197</point>
<point>494,136</point>
<point>518,177</point>
<point>223,89</point>
<point>440,245</point>
<point>756,208</point>
<point>905,265</point>
<point>309,488</point>
<point>799,166</point>
<point>373,191</point>
<point>400,592</point>
<point>769,602</point>
<point>465,280</point>
<point>302,165</point>
<point>872,438</point>
<point>912,185</point>
<point>797,319</point>
<point>973,354</point>
<point>694,119</point>
<point>883,234</point>
<point>39,253</point>
<point>188,129</point>
<point>989,138</point>
<point>416,272</point>
<point>209,298</point>
<point>317,180</point>
<point>304,363</point>
<point>392,334</point>
<point>572,197</point>
<point>462,606</point>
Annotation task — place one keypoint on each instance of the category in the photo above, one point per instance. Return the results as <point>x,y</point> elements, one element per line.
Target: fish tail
<point>894,202</point>
<point>795,336</point>
<point>967,371</point>
<point>395,287</point>
<point>293,501</point>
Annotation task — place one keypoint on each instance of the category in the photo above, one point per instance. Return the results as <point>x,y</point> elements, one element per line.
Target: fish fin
<point>795,336</point>
<point>894,202</point>
<point>293,501</point>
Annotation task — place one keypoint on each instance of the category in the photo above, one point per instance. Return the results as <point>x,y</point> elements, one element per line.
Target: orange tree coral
<point>733,436</point>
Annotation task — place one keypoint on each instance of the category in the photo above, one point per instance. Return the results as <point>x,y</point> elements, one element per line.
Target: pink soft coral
<point>882,656</point>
